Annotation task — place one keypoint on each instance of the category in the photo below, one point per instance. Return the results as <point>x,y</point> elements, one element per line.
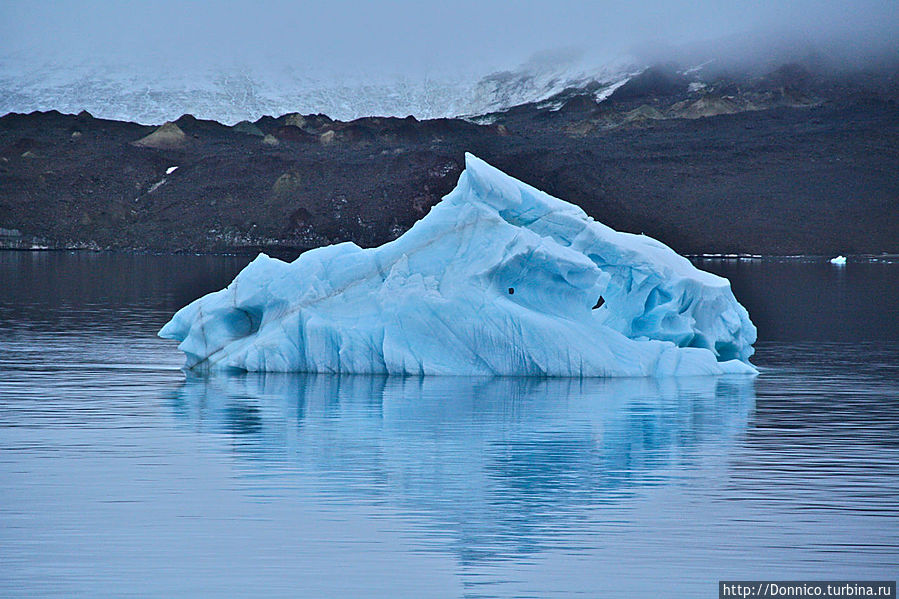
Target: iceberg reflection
<point>498,464</point>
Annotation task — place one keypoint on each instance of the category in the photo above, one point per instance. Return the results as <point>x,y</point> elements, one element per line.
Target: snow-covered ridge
<point>153,95</point>
<point>498,279</point>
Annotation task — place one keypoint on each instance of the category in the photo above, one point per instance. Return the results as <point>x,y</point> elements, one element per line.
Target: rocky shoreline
<point>789,162</point>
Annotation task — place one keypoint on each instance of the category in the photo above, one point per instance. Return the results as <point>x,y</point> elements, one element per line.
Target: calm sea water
<point>120,476</point>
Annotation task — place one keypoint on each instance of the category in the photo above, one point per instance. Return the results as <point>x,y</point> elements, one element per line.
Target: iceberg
<point>498,279</point>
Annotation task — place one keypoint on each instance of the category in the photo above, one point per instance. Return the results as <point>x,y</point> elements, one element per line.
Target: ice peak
<point>516,201</point>
<point>498,279</point>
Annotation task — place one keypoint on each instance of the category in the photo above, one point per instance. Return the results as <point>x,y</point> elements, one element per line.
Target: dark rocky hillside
<point>789,162</point>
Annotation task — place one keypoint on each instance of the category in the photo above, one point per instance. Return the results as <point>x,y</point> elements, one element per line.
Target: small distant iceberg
<point>839,260</point>
<point>498,279</point>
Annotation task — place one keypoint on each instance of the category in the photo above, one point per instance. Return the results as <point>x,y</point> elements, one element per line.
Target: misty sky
<point>410,37</point>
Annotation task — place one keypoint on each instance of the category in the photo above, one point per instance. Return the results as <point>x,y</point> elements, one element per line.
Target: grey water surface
<point>121,476</point>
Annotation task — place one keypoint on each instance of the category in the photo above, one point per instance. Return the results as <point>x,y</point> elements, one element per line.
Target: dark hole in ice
<point>599,303</point>
<point>511,290</point>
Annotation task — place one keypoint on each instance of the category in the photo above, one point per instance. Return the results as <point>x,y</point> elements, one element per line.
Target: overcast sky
<point>411,37</point>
